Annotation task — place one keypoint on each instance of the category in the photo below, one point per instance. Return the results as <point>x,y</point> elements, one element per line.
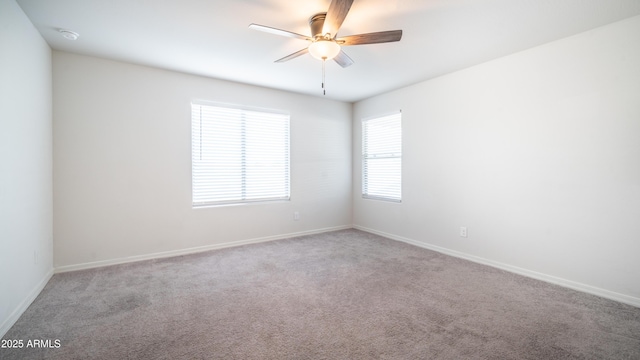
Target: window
<point>382,158</point>
<point>239,154</point>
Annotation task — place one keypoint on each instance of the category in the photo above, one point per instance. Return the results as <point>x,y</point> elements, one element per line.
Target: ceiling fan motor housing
<point>316,22</point>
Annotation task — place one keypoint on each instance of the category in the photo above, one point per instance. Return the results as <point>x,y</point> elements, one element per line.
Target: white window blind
<point>239,155</point>
<point>382,158</point>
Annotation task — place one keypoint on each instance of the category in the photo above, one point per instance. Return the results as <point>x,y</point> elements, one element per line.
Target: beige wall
<point>26,249</point>
<point>122,159</point>
<point>537,153</point>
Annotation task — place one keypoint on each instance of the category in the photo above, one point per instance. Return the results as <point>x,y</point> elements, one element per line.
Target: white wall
<point>26,250</point>
<point>122,163</point>
<point>537,153</point>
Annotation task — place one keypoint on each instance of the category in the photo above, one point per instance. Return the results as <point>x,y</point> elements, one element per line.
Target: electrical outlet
<point>463,231</point>
<point>296,215</point>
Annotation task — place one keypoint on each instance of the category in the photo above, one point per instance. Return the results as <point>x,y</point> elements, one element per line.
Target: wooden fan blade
<point>371,38</point>
<point>293,56</point>
<point>336,14</point>
<point>272,30</point>
<point>343,59</point>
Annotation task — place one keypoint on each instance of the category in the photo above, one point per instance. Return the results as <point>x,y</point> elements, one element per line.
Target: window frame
<point>367,157</point>
<point>243,109</point>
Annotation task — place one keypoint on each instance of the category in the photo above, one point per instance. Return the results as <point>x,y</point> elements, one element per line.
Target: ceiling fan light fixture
<point>324,49</point>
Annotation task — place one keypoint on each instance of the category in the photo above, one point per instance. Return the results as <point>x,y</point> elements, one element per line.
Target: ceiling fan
<point>324,43</point>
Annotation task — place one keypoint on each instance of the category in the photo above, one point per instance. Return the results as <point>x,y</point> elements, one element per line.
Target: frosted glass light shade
<point>324,49</point>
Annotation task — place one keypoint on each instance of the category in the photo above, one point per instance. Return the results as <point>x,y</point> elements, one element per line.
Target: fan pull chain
<point>324,91</point>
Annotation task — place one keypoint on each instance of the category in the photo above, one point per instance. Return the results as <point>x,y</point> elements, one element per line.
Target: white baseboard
<point>18,311</point>
<point>626,299</point>
<point>165,254</point>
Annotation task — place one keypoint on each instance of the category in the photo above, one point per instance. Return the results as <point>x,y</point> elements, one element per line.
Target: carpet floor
<point>339,295</point>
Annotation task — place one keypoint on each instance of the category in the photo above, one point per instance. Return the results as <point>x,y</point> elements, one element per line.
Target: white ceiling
<point>212,38</point>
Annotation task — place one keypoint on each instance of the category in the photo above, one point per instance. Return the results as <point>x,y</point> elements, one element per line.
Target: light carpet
<point>338,295</point>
